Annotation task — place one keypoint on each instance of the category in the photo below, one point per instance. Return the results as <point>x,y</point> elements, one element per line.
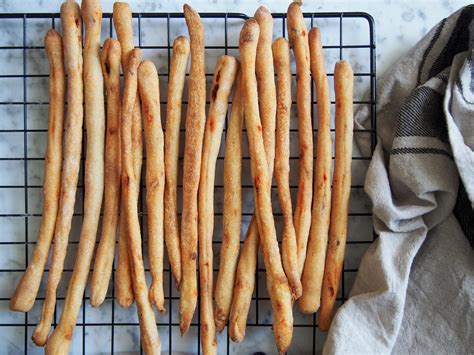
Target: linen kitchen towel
<point>414,290</point>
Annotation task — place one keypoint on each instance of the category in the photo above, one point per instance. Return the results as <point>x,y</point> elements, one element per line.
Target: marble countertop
<point>399,25</point>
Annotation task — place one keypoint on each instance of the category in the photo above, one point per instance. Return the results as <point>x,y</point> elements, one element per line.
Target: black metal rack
<point>22,22</point>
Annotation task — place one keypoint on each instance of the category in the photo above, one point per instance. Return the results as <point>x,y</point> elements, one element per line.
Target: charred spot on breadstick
<point>250,31</point>
<point>214,92</point>
<point>295,26</point>
<point>248,36</point>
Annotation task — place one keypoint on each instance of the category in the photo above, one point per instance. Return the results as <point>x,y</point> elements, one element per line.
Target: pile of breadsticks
<point>307,267</point>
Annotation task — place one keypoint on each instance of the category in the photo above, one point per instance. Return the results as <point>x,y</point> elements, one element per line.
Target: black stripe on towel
<point>421,115</point>
<point>428,50</point>
<point>464,213</point>
<point>406,150</point>
<point>458,41</point>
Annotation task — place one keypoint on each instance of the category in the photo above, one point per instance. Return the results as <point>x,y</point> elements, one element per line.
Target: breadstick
<point>267,110</point>
<point>314,265</point>
<point>341,182</point>
<point>244,284</point>
<point>279,290</point>
<point>298,35</point>
<point>195,124</point>
<point>281,56</point>
<point>267,102</point>
<point>148,330</point>
<point>110,61</point>
<point>60,338</point>
<point>232,214</point>
<point>72,32</point>
<point>123,273</point>
<point>179,61</point>
<point>224,76</point>
<point>122,15</point>
<point>149,89</point>
<point>27,289</point>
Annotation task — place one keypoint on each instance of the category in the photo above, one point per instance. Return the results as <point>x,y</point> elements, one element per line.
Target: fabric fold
<point>425,115</point>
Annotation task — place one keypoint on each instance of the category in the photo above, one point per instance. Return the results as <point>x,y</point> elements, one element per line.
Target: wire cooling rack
<point>23,129</point>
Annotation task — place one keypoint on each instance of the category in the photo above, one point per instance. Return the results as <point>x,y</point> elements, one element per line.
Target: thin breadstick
<point>267,110</point>
<point>298,35</point>
<point>195,124</point>
<point>267,102</point>
<point>71,24</point>
<point>123,273</point>
<point>244,284</point>
<point>148,330</point>
<point>60,338</point>
<point>232,214</point>
<point>179,61</point>
<point>104,259</point>
<point>149,89</point>
<point>27,289</point>
<point>281,56</point>
<point>278,288</point>
<point>314,265</point>
<point>224,76</point>
<point>122,15</point>
<point>267,107</point>
<point>341,182</point>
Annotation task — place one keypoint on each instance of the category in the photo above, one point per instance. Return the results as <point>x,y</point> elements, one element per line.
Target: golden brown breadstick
<point>179,62</point>
<point>149,89</point>
<point>267,110</point>
<point>341,182</point>
<point>195,124</point>
<point>244,284</point>
<point>232,214</point>
<point>281,56</point>
<point>298,35</point>
<point>122,15</point>
<point>267,102</point>
<point>27,289</point>
<point>71,24</point>
<point>278,288</point>
<point>123,273</point>
<point>148,330</point>
<point>60,338</point>
<point>314,265</point>
<point>224,76</point>
<point>110,61</point>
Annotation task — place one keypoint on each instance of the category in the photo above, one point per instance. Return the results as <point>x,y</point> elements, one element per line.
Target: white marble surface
<point>399,24</point>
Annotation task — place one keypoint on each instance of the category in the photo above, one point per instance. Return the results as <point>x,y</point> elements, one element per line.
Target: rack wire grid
<point>23,129</point>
